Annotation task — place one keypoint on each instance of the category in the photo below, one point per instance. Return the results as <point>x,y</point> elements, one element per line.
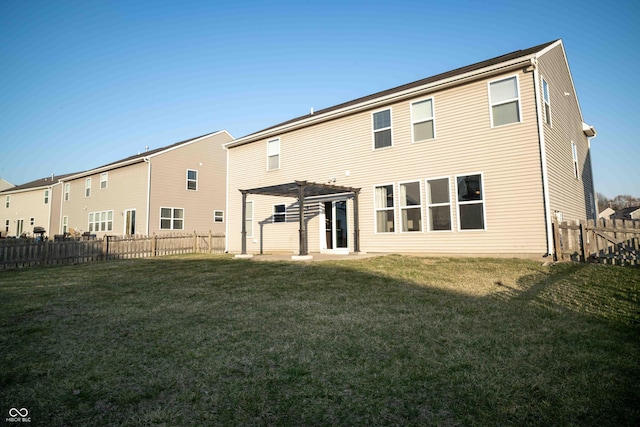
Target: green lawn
<point>396,340</point>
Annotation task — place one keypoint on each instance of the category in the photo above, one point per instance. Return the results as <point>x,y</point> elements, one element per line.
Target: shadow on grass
<point>382,341</point>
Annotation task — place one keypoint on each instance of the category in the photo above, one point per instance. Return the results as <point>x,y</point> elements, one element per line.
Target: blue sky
<point>85,83</point>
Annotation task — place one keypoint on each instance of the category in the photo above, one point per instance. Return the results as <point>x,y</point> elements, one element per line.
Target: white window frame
<point>7,224</point>
<point>374,130</point>
<point>67,191</point>
<point>575,164</point>
<point>435,205</point>
<point>273,153</point>
<point>104,180</point>
<point>98,224</point>
<point>402,208</point>
<point>415,121</point>
<point>218,216</point>
<point>7,202</point>
<point>32,221</point>
<point>249,218</point>
<point>87,187</point>
<point>283,215</point>
<point>65,224</point>
<point>517,98</point>
<point>472,202</point>
<point>546,99</point>
<point>46,196</point>
<point>189,180</point>
<point>376,209</point>
<point>172,218</point>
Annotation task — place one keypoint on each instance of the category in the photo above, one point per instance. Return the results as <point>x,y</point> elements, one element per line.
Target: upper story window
<point>67,190</point>
<point>547,102</point>
<point>273,154</point>
<point>574,154</point>
<point>87,187</point>
<point>104,177</point>
<point>504,98</point>
<point>439,202</point>
<point>385,222</point>
<point>410,206</point>
<point>7,202</point>
<point>470,202</point>
<point>422,120</point>
<point>192,179</point>
<point>382,129</point>
<point>46,197</point>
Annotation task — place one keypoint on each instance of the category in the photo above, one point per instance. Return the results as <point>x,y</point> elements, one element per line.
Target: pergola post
<point>356,225</point>
<point>303,228</point>
<point>244,223</point>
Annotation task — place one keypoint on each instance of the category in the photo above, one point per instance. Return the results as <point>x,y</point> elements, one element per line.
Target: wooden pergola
<point>301,190</point>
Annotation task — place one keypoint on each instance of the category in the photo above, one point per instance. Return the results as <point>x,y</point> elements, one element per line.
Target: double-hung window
<point>439,202</point>
<point>87,187</point>
<point>384,209</point>
<point>192,179</point>
<point>280,213</point>
<point>171,218</point>
<point>470,202</point>
<point>104,177</point>
<point>410,206</point>
<point>422,120</point>
<point>7,202</point>
<point>382,129</point>
<point>46,197</point>
<point>218,216</point>
<point>505,101</point>
<point>248,219</point>
<point>67,190</point>
<point>547,102</point>
<point>273,154</point>
<point>574,154</point>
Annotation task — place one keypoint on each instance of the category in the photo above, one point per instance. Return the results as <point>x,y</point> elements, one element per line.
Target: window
<point>32,221</point>
<point>65,224</point>
<point>382,129</point>
<point>46,197</point>
<point>87,187</point>
<point>101,221</point>
<point>67,190</point>
<point>171,219</point>
<point>218,216</point>
<point>6,225</point>
<point>273,154</point>
<point>470,202</point>
<point>192,179</point>
<point>439,202</point>
<point>104,177</point>
<point>248,219</point>
<point>422,120</point>
<point>280,213</point>
<point>505,101</point>
<point>7,202</point>
<point>410,206</point>
<point>574,153</point>
<point>547,102</point>
<point>384,209</point>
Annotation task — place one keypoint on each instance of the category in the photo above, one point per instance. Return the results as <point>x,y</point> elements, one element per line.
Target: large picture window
<point>439,202</point>
<point>422,120</point>
<point>384,209</point>
<point>171,218</point>
<point>101,221</point>
<point>382,129</point>
<point>470,202</point>
<point>410,206</point>
<point>505,101</point>
<point>273,154</point>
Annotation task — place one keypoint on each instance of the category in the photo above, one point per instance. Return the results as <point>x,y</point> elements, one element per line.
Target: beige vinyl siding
<point>566,194</point>
<point>26,204</point>
<point>126,189</point>
<point>169,184</point>
<point>507,156</point>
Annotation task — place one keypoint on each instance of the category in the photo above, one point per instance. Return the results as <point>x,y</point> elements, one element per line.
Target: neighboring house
<point>607,213</point>
<point>628,213</point>
<point>34,204</point>
<point>175,189</point>
<point>476,160</point>
<point>5,185</point>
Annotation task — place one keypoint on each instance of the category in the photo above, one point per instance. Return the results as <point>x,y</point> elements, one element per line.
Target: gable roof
<point>38,183</point>
<point>456,74</point>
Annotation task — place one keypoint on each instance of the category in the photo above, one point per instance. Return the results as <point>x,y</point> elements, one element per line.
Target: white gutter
<point>226,207</point>
<point>394,97</point>
<point>543,158</point>
<point>147,160</point>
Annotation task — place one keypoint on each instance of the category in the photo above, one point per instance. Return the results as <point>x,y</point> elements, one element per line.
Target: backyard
<point>394,340</point>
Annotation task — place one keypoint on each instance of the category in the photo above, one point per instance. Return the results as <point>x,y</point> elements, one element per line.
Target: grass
<point>396,340</point>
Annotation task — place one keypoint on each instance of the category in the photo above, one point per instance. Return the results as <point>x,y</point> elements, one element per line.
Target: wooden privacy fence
<point>605,241</point>
<point>29,252</point>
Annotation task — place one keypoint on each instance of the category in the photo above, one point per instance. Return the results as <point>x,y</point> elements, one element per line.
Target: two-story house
<point>477,160</point>
<point>175,189</point>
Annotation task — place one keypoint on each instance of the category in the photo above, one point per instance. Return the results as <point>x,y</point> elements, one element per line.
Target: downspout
<point>147,160</point>
<point>226,205</point>
<point>61,204</point>
<point>543,158</point>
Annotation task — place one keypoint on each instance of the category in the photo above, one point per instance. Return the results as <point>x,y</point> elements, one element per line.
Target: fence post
<point>557,248</point>
<point>154,244</point>
<point>210,247</point>
<point>105,247</point>
<point>583,242</point>
<point>195,242</point>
